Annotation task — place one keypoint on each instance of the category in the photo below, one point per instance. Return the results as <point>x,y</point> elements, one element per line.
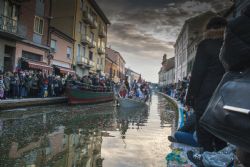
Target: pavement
<point>16,103</point>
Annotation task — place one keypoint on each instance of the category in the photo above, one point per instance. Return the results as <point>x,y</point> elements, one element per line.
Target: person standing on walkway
<point>206,75</point>
<point>6,81</point>
<point>1,87</point>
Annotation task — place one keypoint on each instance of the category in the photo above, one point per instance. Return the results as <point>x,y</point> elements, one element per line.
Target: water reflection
<point>91,137</point>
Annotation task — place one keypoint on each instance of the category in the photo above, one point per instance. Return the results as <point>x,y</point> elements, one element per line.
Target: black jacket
<point>235,54</point>
<point>206,74</point>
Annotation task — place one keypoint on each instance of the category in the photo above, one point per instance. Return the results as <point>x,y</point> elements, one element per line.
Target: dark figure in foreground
<point>235,57</point>
<point>206,75</point>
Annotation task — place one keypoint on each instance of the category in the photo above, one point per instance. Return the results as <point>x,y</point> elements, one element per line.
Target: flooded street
<point>87,136</point>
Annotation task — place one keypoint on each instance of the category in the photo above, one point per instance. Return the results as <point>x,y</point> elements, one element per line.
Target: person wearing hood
<point>235,57</point>
<point>206,75</point>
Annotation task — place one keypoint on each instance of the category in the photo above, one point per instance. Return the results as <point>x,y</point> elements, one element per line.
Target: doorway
<point>8,58</point>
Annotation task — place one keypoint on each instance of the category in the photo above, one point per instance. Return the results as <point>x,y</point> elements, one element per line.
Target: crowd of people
<point>178,90</point>
<point>137,89</point>
<point>225,48</point>
<point>38,84</point>
<point>30,84</point>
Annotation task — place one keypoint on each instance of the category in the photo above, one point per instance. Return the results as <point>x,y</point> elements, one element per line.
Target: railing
<point>101,50</point>
<point>102,32</point>
<point>91,63</point>
<point>8,24</point>
<point>85,39</point>
<point>98,67</point>
<point>94,24</point>
<point>85,60</point>
<point>84,86</point>
<point>92,44</point>
<point>82,60</point>
<point>87,17</point>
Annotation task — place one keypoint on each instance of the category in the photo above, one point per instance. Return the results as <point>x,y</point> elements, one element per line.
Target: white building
<point>186,44</point>
<point>167,72</point>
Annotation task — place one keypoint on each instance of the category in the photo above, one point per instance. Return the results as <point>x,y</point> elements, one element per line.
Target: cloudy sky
<point>143,30</point>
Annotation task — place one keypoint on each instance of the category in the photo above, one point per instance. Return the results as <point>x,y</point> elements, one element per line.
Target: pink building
<point>62,52</point>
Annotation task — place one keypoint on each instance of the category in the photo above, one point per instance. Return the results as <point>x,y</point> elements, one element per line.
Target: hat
<point>216,23</point>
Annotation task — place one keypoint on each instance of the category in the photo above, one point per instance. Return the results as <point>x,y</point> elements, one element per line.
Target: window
<point>92,37</point>
<point>81,5</point>
<point>32,56</point>
<point>38,25</point>
<point>83,51</point>
<point>97,60</point>
<point>90,55</point>
<point>80,27</point>
<point>110,72</point>
<point>53,45</point>
<point>78,50</point>
<point>69,52</point>
<point>101,61</point>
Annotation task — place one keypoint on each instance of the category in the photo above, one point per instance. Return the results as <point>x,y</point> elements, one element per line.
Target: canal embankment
<point>178,107</point>
<point>19,103</point>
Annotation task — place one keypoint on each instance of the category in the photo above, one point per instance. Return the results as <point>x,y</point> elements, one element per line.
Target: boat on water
<point>131,103</point>
<point>86,94</point>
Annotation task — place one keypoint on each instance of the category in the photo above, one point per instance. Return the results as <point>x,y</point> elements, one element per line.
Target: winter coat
<point>7,83</point>
<point>235,53</point>
<point>207,72</point>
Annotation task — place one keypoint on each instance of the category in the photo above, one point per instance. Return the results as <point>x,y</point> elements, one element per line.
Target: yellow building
<point>84,21</point>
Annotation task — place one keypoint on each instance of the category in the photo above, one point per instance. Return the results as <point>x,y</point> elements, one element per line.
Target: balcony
<point>98,67</point>
<point>9,28</point>
<point>85,62</point>
<point>87,18</point>
<point>81,60</point>
<point>101,50</point>
<point>91,63</point>
<point>102,32</point>
<point>85,39</point>
<point>8,25</point>
<point>94,24</point>
<point>92,44</point>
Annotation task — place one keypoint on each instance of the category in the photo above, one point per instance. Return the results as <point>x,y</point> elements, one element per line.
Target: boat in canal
<point>85,94</point>
<point>131,102</point>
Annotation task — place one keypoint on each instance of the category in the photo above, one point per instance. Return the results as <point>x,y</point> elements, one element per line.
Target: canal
<point>87,136</point>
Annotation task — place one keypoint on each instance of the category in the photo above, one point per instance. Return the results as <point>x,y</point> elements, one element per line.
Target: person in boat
<point>123,90</point>
<point>102,84</point>
<point>127,84</point>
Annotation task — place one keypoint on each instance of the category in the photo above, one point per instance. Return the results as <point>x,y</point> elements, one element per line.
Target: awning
<point>64,70</point>
<point>38,65</point>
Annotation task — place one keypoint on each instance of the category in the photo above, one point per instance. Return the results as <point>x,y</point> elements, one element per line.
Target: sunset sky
<point>143,30</point>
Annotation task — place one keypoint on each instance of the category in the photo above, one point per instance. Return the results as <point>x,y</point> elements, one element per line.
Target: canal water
<point>87,136</point>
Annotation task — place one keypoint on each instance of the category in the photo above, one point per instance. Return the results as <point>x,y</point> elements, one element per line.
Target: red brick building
<point>24,34</point>
<point>114,65</point>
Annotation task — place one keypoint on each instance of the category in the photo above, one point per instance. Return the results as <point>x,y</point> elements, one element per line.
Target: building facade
<point>61,50</point>
<point>114,65</point>
<point>167,71</point>
<point>24,35</point>
<point>84,21</point>
<point>132,75</point>
<point>186,44</point>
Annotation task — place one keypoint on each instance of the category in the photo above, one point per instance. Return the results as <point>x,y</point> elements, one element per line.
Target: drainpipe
<point>49,57</point>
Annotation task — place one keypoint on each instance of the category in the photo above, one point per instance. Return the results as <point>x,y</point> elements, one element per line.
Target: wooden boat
<point>131,103</point>
<point>83,94</point>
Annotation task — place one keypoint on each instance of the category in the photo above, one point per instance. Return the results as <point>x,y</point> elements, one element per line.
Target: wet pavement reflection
<point>87,136</point>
